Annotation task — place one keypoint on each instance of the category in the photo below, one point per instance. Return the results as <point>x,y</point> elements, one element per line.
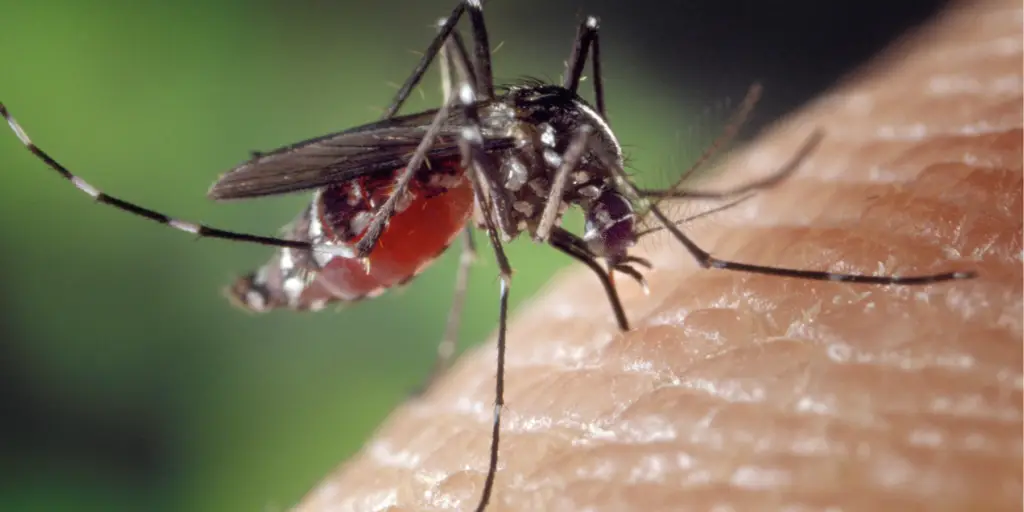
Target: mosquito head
<point>610,229</point>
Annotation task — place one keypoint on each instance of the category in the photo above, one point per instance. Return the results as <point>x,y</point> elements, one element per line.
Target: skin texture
<point>759,393</point>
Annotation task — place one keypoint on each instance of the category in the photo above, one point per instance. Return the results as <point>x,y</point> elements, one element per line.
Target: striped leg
<point>199,230</point>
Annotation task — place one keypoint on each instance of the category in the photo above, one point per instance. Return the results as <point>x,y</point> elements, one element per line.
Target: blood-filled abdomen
<point>431,214</point>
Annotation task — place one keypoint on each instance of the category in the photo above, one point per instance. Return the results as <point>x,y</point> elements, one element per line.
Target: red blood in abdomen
<point>414,237</point>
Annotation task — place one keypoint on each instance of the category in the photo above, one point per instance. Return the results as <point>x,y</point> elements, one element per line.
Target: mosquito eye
<point>609,228</point>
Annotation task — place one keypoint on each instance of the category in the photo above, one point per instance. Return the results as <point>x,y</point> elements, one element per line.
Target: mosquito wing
<point>377,147</point>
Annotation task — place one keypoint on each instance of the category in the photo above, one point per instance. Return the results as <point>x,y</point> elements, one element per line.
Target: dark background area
<point>128,383</point>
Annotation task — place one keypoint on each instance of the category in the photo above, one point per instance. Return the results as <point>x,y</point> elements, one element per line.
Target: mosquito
<point>390,196</point>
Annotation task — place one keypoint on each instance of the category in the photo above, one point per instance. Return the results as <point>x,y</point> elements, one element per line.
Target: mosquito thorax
<point>554,113</point>
<point>543,119</point>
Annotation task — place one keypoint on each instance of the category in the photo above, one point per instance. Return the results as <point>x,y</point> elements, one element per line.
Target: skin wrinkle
<point>759,393</point>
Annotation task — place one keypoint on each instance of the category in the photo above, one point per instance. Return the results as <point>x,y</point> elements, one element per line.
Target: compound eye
<point>610,226</point>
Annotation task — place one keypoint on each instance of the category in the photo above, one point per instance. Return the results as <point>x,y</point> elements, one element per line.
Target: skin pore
<point>760,393</point>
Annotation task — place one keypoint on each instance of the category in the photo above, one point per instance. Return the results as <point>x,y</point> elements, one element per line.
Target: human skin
<point>742,392</point>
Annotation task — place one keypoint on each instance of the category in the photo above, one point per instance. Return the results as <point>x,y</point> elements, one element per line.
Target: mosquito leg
<point>453,59</point>
<point>585,35</point>
<point>481,51</point>
<point>454,56</point>
<point>444,29</point>
<point>446,348</point>
<point>473,149</point>
<point>484,80</point>
<point>499,381</point>
<point>570,160</point>
<point>454,64</point>
<point>771,180</point>
<point>595,69</point>
<point>705,213</point>
<point>446,71</point>
<point>505,277</point>
<point>375,228</point>
<point>199,230</point>
<point>576,248</point>
<point>487,189</point>
<point>739,118</point>
<point>586,40</point>
<point>706,260</point>
<point>573,246</point>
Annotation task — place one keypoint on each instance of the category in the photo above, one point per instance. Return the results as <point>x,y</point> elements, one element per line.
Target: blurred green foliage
<point>140,387</point>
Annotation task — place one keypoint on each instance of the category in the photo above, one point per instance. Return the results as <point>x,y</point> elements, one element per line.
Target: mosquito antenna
<point>739,118</point>
<point>808,147</point>
<point>701,215</point>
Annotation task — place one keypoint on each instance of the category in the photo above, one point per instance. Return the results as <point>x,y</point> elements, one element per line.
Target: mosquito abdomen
<point>436,207</point>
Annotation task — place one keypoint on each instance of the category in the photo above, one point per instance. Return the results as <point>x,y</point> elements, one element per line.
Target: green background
<point>128,382</point>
